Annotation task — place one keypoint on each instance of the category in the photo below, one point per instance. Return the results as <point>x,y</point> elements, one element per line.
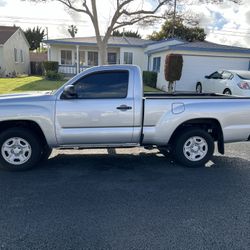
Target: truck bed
<point>190,95</point>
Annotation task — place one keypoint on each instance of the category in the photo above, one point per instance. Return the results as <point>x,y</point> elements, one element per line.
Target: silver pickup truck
<point>104,107</point>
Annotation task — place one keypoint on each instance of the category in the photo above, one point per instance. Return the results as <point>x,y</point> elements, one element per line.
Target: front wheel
<point>20,149</point>
<point>227,92</point>
<point>193,147</point>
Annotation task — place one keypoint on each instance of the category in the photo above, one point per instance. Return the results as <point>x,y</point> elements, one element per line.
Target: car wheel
<point>20,149</point>
<point>227,92</point>
<point>198,88</point>
<point>193,147</point>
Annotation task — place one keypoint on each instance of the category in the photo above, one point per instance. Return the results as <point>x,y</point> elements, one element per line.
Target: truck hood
<point>29,96</point>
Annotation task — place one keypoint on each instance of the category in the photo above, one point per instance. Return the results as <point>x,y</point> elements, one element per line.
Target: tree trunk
<point>102,46</point>
<point>170,87</point>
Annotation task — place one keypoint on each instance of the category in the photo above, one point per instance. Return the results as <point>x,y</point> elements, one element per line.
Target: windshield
<point>244,75</point>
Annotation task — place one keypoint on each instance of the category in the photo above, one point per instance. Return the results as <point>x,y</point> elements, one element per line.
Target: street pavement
<point>127,199</point>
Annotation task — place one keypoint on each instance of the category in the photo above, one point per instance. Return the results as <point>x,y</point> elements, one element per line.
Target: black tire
<point>45,153</point>
<point>198,88</point>
<point>32,143</point>
<point>202,154</point>
<point>227,92</point>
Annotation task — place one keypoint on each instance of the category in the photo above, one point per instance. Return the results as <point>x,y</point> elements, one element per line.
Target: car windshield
<point>244,75</point>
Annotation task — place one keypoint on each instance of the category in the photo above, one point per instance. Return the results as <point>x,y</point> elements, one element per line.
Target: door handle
<point>124,107</point>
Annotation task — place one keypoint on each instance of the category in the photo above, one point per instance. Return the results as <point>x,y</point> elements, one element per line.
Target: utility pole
<point>47,32</point>
<point>174,18</point>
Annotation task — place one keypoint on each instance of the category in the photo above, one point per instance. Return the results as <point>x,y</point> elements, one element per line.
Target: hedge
<point>150,78</point>
<point>51,66</point>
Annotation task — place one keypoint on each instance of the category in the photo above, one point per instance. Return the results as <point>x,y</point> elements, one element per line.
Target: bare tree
<point>122,16</point>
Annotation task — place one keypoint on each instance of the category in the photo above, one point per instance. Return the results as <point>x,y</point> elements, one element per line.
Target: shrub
<point>173,70</point>
<point>51,66</point>
<point>150,78</point>
<point>54,76</point>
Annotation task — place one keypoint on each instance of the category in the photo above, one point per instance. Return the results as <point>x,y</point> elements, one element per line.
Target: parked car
<point>104,107</point>
<point>228,82</point>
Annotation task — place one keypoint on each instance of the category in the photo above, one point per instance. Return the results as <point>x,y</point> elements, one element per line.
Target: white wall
<point>139,57</point>
<point>16,41</point>
<point>197,65</point>
<point>1,60</point>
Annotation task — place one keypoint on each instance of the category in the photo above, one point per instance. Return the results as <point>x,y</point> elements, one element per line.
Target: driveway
<point>134,199</point>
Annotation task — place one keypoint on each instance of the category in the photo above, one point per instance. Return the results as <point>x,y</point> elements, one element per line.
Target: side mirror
<point>207,77</point>
<point>69,92</point>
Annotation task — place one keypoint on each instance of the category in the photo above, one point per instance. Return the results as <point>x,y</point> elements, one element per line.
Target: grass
<point>150,89</point>
<point>30,83</point>
<point>37,83</point>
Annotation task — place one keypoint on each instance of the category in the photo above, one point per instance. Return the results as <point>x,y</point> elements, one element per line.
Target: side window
<point>128,58</point>
<point>15,55</point>
<point>66,57</point>
<point>156,64</point>
<point>226,75</point>
<point>109,84</point>
<point>216,75</point>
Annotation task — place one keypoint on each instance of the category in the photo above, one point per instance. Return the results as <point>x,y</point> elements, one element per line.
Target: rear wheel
<point>227,92</point>
<point>19,149</point>
<point>193,147</point>
<point>198,88</point>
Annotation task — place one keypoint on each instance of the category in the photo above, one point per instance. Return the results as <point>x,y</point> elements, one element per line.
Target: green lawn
<point>37,83</point>
<point>30,83</point>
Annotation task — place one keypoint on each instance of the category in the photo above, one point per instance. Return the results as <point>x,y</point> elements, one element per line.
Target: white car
<point>228,82</point>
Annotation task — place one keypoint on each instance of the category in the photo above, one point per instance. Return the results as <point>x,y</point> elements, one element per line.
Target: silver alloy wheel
<point>16,151</point>
<point>195,148</point>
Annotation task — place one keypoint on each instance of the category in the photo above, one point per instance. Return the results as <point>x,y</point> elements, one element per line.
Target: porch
<point>75,59</point>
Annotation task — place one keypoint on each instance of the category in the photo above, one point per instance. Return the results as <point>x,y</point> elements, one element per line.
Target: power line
<point>44,19</point>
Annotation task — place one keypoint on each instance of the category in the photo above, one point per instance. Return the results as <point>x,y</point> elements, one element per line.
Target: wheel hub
<point>16,150</point>
<point>195,148</point>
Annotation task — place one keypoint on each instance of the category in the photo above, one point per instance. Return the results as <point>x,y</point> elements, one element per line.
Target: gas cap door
<point>178,108</point>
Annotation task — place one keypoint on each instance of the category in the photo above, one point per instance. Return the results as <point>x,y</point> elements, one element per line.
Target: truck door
<point>102,111</point>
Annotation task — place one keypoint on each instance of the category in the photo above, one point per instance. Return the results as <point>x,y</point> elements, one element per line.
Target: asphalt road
<point>134,199</point>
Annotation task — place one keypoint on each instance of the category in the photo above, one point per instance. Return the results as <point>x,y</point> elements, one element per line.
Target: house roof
<point>6,32</point>
<point>113,41</point>
<point>201,46</point>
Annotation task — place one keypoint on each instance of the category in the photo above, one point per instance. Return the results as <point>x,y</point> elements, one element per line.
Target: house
<point>199,58</point>
<point>14,52</point>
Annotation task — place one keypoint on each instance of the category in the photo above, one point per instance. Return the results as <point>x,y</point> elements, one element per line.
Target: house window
<point>21,56</point>
<point>112,58</point>
<point>66,57</point>
<point>156,64</point>
<point>82,60</point>
<point>15,55</point>
<point>92,58</point>
<point>128,58</point>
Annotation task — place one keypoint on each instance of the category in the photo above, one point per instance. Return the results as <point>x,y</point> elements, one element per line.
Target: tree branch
<point>145,12</point>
